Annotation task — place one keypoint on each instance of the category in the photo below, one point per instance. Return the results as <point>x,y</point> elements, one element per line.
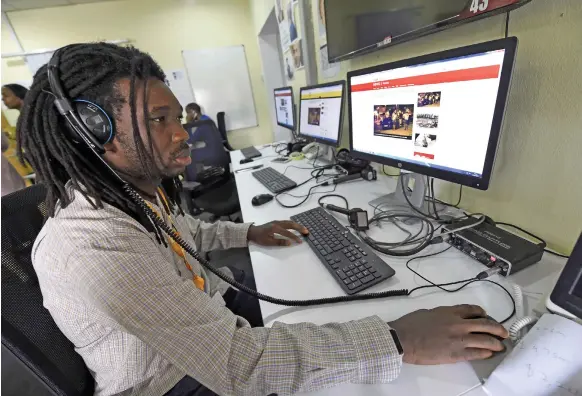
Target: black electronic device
<point>350,164</point>
<point>566,298</point>
<point>274,180</point>
<point>494,246</point>
<point>357,217</point>
<point>353,264</point>
<point>356,28</point>
<point>321,109</point>
<point>261,199</point>
<point>250,152</point>
<point>285,107</point>
<point>245,161</point>
<point>400,111</point>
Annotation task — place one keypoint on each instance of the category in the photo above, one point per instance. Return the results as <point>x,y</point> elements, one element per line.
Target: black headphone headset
<point>86,119</point>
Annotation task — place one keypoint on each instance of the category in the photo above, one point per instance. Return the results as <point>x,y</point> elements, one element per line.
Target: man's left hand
<point>266,234</point>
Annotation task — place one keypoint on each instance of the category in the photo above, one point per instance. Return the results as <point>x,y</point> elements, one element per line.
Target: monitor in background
<point>321,112</point>
<point>439,115</point>
<point>284,107</point>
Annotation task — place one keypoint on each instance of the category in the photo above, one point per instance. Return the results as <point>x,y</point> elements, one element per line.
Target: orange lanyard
<point>198,280</point>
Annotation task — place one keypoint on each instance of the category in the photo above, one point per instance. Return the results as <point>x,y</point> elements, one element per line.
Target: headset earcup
<point>95,120</point>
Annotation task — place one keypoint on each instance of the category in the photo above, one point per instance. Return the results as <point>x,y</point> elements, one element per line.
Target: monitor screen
<point>567,293</point>
<point>284,107</point>
<point>321,110</point>
<point>436,114</point>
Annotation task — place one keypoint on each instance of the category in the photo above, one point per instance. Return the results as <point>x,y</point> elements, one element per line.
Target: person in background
<point>146,317</point>
<point>194,113</point>
<point>11,180</point>
<point>13,96</point>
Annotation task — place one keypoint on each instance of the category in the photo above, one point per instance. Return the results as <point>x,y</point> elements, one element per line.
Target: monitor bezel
<point>292,108</point>
<point>561,295</point>
<point>341,122</point>
<point>510,46</point>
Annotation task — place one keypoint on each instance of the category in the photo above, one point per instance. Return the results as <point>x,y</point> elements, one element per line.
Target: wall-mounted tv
<point>356,27</point>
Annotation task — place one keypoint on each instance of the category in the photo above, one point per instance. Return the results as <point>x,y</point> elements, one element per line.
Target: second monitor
<point>321,112</point>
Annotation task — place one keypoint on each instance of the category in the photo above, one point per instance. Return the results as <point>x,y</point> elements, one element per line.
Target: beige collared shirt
<point>130,307</point>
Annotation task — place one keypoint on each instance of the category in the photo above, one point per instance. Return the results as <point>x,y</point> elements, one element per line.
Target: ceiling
<point>17,5</point>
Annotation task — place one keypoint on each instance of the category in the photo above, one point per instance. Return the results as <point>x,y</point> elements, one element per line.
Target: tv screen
<point>355,27</point>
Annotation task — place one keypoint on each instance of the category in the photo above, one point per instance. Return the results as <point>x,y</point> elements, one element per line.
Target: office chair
<point>209,186</point>
<point>36,356</point>
<point>221,120</point>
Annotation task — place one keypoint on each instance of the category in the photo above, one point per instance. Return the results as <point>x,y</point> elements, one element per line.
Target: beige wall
<point>537,180</point>
<point>162,28</point>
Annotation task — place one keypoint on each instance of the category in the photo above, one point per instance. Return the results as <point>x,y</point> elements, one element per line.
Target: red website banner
<point>425,155</point>
<point>283,94</point>
<point>477,73</point>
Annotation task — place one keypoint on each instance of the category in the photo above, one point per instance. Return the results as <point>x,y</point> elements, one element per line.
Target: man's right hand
<point>447,335</point>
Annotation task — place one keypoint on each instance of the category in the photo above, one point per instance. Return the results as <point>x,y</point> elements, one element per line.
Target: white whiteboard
<point>220,82</point>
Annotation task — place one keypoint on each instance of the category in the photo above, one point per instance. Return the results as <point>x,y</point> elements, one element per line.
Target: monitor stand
<point>415,187</point>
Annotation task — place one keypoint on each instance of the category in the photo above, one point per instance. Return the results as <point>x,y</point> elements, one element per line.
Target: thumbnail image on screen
<point>394,120</point>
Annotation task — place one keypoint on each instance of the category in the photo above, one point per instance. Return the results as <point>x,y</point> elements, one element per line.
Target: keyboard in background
<point>352,263</point>
<point>275,181</point>
<point>250,152</point>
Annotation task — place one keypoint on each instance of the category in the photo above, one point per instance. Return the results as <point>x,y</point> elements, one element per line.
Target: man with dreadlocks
<point>143,314</point>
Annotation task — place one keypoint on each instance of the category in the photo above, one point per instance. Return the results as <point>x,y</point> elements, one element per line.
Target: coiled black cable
<point>279,301</point>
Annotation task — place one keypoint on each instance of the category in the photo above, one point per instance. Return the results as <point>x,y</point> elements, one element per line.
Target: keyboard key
<point>349,273</point>
<point>352,286</point>
<point>364,261</point>
<point>346,243</point>
<point>351,266</point>
<point>338,260</point>
<point>372,270</point>
<point>361,268</point>
<point>364,253</point>
<point>341,274</point>
<point>358,256</point>
<point>352,258</point>
<point>360,275</point>
<point>367,279</point>
<point>345,251</point>
<point>377,275</point>
<point>353,278</point>
<point>347,281</point>
<point>334,266</point>
<point>357,283</point>
<point>366,272</point>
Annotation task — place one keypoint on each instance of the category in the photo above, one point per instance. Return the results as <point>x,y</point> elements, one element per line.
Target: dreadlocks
<point>89,72</point>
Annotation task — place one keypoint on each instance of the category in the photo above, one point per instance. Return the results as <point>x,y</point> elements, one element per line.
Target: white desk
<point>297,273</point>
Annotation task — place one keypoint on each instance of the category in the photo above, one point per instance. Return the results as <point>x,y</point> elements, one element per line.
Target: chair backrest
<point>221,120</point>
<point>28,330</point>
<point>207,149</point>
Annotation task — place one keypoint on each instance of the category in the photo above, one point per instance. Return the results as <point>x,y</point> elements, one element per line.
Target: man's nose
<point>180,135</point>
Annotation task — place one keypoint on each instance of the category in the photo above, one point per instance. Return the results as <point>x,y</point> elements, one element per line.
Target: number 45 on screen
<point>479,5</point>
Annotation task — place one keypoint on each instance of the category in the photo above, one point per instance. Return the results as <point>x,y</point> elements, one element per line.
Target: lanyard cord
<point>179,250</point>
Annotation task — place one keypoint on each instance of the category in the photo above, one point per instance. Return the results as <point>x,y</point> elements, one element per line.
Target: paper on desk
<point>547,361</point>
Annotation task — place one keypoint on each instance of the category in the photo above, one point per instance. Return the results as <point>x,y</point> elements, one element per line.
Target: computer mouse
<point>261,199</point>
<point>503,340</point>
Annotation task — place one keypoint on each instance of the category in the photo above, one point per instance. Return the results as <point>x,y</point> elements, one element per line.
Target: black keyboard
<point>250,152</point>
<point>275,181</point>
<point>353,264</point>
